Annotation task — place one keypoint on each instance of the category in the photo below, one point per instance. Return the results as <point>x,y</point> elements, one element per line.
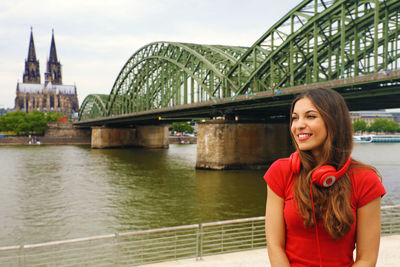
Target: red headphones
<point>324,176</point>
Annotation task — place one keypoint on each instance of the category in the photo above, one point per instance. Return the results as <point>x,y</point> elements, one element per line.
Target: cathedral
<point>51,95</point>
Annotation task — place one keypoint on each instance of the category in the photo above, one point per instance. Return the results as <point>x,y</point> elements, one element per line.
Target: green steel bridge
<point>341,44</point>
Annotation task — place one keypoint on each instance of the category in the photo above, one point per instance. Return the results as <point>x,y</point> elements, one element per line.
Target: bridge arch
<point>322,40</point>
<point>165,74</point>
<point>93,106</point>
<point>316,41</point>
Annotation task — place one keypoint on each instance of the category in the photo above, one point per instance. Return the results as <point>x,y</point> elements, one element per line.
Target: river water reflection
<point>59,192</point>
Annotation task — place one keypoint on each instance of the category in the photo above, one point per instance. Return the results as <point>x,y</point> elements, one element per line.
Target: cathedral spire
<point>31,52</point>
<point>53,72</point>
<point>31,73</point>
<point>53,52</point>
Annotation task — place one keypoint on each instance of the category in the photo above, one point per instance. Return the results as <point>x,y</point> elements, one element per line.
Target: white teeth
<point>303,135</point>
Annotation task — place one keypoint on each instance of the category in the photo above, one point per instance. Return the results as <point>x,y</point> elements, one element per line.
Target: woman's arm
<point>275,230</point>
<point>368,233</point>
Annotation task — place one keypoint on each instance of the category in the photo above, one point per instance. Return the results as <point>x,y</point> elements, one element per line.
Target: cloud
<point>12,9</point>
<point>95,38</point>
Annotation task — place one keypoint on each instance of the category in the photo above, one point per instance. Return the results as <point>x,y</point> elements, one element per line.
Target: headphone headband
<point>324,176</point>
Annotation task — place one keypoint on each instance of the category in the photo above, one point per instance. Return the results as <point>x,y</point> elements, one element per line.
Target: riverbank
<point>67,134</point>
<point>72,140</point>
<point>182,140</point>
<point>43,140</point>
<point>56,134</point>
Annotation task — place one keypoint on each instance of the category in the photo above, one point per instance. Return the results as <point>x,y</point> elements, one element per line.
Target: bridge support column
<point>148,136</point>
<point>230,145</point>
<point>103,137</point>
<point>152,136</point>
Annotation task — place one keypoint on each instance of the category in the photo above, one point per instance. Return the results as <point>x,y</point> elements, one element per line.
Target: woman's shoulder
<point>362,173</point>
<point>366,184</point>
<point>279,169</point>
<point>278,177</point>
<point>280,165</point>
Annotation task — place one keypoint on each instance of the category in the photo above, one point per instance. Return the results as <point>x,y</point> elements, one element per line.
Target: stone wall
<point>66,129</point>
<point>43,140</point>
<point>56,134</point>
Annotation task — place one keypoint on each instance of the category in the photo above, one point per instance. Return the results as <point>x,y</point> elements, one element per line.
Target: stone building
<point>52,95</point>
<point>369,116</point>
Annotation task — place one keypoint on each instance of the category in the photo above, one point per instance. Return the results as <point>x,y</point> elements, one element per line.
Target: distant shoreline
<point>36,140</point>
<point>43,140</point>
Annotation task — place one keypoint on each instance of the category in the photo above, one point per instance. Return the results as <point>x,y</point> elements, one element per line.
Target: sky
<point>95,38</point>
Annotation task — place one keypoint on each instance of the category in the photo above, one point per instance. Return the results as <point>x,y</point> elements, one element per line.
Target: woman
<point>321,183</point>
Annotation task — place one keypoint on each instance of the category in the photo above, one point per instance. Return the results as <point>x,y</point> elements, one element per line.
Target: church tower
<point>32,95</point>
<point>31,73</point>
<point>53,71</point>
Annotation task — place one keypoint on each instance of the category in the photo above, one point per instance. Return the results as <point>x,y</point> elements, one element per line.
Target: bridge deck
<point>372,91</point>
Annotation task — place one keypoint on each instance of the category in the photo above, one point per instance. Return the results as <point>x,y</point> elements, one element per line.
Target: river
<point>52,193</point>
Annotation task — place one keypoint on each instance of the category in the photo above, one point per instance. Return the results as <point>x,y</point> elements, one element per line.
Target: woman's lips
<point>303,136</point>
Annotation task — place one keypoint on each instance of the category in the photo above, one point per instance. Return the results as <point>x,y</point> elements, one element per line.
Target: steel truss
<point>318,40</point>
<point>93,106</point>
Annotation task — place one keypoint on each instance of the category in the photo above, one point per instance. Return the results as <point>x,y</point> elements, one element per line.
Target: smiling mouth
<point>303,137</point>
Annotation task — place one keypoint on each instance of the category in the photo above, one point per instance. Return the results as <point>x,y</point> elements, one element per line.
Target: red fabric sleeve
<point>275,178</point>
<point>367,186</point>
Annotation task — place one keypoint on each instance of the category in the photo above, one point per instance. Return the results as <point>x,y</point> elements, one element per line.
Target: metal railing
<point>390,220</point>
<point>157,245</point>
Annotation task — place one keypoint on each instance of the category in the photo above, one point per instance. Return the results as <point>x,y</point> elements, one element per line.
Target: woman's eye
<point>311,116</point>
<point>294,118</point>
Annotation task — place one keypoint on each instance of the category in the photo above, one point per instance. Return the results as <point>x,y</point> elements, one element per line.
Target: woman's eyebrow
<point>308,111</point>
<point>311,110</point>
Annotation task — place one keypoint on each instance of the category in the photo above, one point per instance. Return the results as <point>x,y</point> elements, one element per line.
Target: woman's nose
<point>300,123</point>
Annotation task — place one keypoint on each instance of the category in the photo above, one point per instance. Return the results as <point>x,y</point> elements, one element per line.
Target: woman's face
<point>308,127</point>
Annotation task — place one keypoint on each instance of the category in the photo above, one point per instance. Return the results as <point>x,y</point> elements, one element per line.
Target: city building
<point>370,116</point>
<point>51,95</point>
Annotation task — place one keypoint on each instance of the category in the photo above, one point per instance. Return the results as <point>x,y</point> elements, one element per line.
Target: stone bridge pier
<point>223,144</point>
<point>148,136</point>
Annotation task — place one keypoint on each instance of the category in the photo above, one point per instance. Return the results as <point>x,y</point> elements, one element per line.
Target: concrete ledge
<point>182,140</point>
<point>44,140</point>
<point>388,256</point>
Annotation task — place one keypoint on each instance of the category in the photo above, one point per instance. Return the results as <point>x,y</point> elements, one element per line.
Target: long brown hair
<point>332,205</point>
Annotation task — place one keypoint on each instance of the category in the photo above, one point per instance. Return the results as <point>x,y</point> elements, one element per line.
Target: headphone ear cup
<point>327,175</point>
<point>295,162</point>
<point>320,175</point>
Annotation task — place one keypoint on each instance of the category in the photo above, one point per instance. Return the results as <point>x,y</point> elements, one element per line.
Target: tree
<point>182,127</point>
<point>53,116</point>
<point>360,125</point>
<point>2,123</point>
<point>392,127</point>
<point>383,125</point>
<point>37,121</point>
<point>22,123</point>
<point>13,120</point>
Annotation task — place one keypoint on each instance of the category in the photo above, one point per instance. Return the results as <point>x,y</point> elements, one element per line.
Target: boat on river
<point>376,138</point>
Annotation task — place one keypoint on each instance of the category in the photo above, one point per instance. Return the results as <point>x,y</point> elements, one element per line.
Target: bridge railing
<point>157,245</point>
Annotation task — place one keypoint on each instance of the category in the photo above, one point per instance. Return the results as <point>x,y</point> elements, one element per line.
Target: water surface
<point>59,192</point>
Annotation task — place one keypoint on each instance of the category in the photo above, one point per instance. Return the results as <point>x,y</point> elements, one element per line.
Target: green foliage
<point>384,125</point>
<point>182,127</point>
<point>53,116</point>
<point>37,122</point>
<point>392,127</point>
<point>360,125</point>
<point>22,123</point>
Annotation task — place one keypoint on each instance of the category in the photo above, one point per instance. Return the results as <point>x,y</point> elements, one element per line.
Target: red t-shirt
<point>301,247</point>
